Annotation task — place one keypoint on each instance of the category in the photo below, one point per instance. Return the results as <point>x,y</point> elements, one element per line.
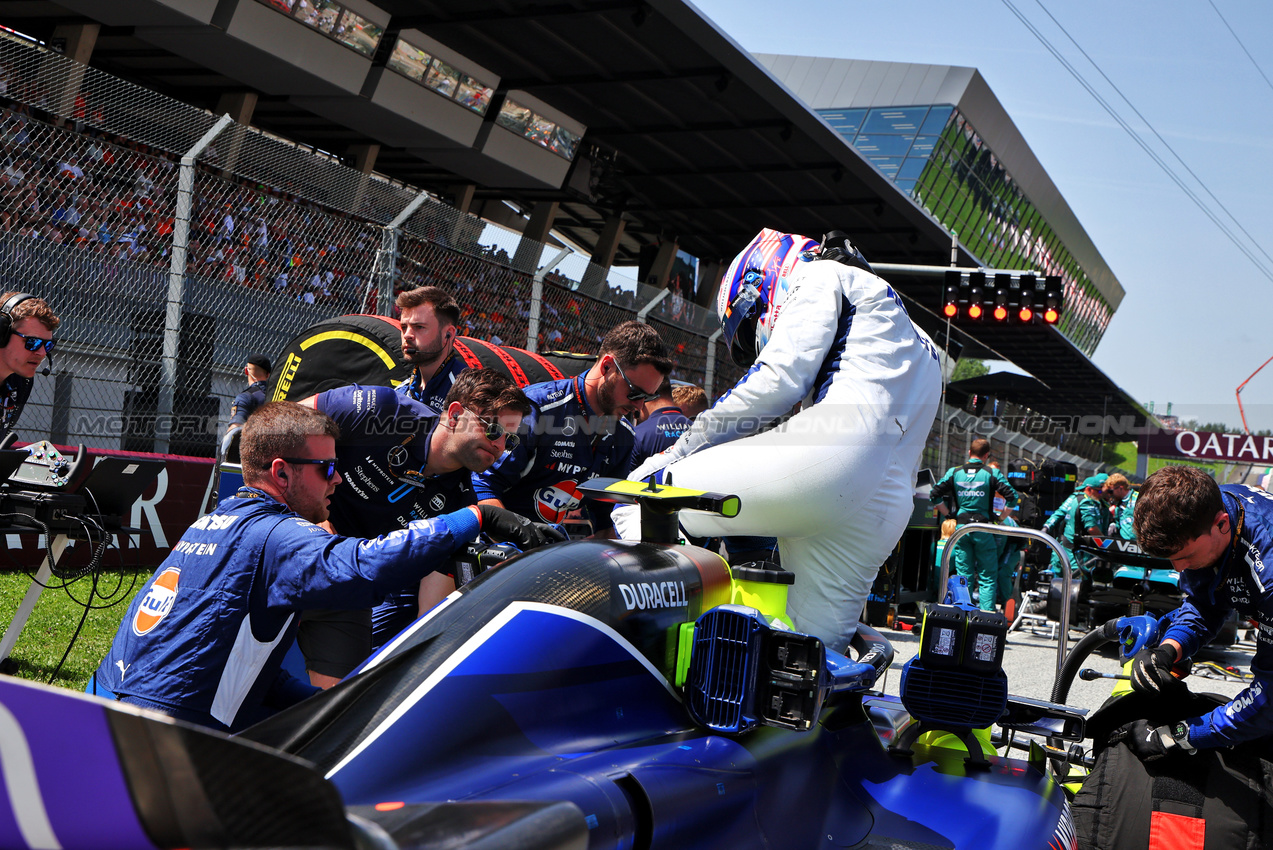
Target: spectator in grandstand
<point>204,640</point>
<point>430,323</point>
<point>661,423</point>
<point>26,339</point>
<point>257,370</point>
<point>576,430</point>
<point>1118,491</point>
<point>404,462</point>
<point>835,482</point>
<point>690,399</point>
<point>968,492</point>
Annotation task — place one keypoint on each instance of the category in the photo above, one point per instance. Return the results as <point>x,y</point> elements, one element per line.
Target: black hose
<point>1098,636</point>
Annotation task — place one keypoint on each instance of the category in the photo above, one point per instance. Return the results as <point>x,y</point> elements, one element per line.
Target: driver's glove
<point>1151,743</point>
<point>1151,670</point>
<point>508,527</point>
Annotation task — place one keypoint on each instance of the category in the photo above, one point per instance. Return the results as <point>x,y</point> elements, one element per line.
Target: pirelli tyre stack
<point>361,349</point>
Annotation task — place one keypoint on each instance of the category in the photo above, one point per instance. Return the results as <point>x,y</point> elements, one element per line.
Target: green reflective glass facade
<point>933,154</point>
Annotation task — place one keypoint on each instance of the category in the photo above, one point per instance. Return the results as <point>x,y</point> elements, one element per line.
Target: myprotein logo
<point>157,603</point>
<point>643,596</point>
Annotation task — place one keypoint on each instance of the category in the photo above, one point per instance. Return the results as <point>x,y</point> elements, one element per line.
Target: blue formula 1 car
<point>598,694</point>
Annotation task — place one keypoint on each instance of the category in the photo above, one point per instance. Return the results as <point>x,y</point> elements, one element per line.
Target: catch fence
<point>174,244</point>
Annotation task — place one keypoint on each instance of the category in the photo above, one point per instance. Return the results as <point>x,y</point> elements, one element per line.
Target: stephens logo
<point>437,502</point>
<point>158,602</point>
<point>554,501</point>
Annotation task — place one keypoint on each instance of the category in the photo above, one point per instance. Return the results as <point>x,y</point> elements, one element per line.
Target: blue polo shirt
<point>565,443</point>
<point>660,430</point>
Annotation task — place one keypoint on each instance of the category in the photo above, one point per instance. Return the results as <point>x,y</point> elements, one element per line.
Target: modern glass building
<point>942,137</point>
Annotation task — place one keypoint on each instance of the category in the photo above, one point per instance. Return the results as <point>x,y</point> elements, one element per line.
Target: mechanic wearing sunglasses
<point>402,461</point>
<point>26,339</point>
<point>204,640</point>
<point>577,430</point>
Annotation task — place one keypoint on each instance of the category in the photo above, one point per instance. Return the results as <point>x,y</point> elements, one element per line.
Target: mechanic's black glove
<point>554,533</point>
<point>1151,743</point>
<point>1151,670</point>
<point>508,527</point>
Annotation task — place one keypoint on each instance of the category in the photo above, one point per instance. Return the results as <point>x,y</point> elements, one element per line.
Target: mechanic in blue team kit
<point>1218,538</point>
<point>1118,491</point>
<point>430,320</point>
<point>835,482</point>
<point>661,423</point>
<point>403,461</point>
<point>26,338</point>
<point>257,371</point>
<point>204,639</point>
<point>967,492</point>
<point>576,430</point>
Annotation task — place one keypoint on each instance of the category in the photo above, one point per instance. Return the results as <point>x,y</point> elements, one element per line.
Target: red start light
<point>951,310</point>
<point>1001,313</point>
<point>1050,316</point>
<point>1026,314</point>
<point>974,312</point>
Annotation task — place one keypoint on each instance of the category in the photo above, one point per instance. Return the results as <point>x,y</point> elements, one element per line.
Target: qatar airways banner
<point>1209,445</point>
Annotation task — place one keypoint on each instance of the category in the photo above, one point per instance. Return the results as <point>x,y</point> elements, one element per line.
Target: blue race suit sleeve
<point>1248,715</point>
<point>308,567</point>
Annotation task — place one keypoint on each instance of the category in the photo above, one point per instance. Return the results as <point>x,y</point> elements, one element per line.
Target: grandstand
<point>490,160</point>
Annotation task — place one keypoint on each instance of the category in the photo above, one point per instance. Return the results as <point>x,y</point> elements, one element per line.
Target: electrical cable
<point>1175,178</point>
<point>1240,44</point>
<point>1153,130</point>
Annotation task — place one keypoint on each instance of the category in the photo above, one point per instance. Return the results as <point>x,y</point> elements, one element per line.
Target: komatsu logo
<point>1245,700</point>
<point>645,595</point>
<point>214,522</point>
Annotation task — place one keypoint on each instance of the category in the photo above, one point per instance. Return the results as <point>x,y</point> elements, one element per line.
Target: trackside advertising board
<point>1210,446</point>
<point>162,514</point>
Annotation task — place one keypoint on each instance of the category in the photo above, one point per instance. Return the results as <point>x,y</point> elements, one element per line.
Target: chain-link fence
<point>174,244</point>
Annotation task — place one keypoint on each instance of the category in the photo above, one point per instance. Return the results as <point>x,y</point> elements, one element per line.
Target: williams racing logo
<point>554,501</point>
<point>158,602</point>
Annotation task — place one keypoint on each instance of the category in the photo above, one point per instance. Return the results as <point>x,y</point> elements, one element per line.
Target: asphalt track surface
<point>1030,664</point>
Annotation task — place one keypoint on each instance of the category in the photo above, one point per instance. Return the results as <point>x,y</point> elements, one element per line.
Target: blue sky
<point>1197,319</point>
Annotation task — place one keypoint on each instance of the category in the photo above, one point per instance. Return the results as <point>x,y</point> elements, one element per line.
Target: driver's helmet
<point>754,287</point>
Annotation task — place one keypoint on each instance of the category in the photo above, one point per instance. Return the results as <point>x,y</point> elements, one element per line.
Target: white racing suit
<point>835,482</point>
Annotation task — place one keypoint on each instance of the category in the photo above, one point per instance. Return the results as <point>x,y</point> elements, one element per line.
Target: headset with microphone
<point>6,325</point>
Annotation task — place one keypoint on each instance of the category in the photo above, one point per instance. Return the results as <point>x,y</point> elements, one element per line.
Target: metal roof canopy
<point>698,143</point>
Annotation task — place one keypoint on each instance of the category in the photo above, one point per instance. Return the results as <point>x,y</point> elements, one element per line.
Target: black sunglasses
<point>635,393</point>
<point>494,431</point>
<point>33,343</point>
<point>330,463</point>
